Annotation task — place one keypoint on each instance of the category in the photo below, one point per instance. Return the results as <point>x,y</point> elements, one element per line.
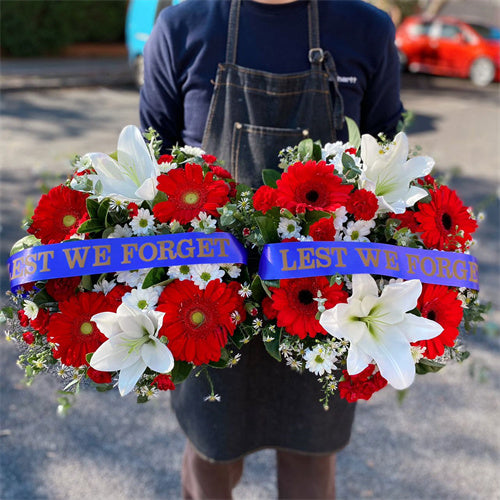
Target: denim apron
<point>254,114</point>
<point>265,404</point>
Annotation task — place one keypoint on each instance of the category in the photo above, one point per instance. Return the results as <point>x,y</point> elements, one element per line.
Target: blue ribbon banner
<point>324,258</point>
<point>83,257</point>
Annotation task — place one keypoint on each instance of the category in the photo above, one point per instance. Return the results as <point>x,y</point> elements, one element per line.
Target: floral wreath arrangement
<point>142,267</point>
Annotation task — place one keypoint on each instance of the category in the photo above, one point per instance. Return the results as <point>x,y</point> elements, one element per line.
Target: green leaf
<point>103,387</point>
<point>91,226</point>
<point>222,363</point>
<point>354,134</point>
<point>317,154</point>
<point>103,210</point>
<point>142,399</point>
<point>88,357</point>
<point>258,292</point>
<point>155,276</point>
<point>87,283</point>
<point>29,241</point>
<point>401,395</point>
<point>92,207</point>
<point>181,371</point>
<point>270,176</point>
<point>306,149</point>
<point>316,215</point>
<point>268,229</point>
<point>428,366</point>
<point>273,347</point>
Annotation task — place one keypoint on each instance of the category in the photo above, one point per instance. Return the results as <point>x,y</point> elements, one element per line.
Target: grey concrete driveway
<point>442,442</point>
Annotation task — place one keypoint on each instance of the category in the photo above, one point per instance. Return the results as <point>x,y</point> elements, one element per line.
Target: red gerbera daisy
<point>362,385</point>
<point>59,214</point>
<point>312,186</point>
<point>72,330</point>
<point>323,230</point>
<point>440,304</point>
<point>189,193</point>
<point>362,204</point>
<point>197,322</point>
<point>445,222</point>
<point>296,307</point>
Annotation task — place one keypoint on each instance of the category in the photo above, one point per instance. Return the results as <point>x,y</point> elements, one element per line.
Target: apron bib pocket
<point>255,148</point>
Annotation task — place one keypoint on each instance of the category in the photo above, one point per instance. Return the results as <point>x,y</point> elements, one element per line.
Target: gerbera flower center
<point>197,318</point>
<point>446,220</point>
<point>312,196</point>
<point>191,198</point>
<point>69,220</point>
<point>306,297</point>
<point>431,315</point>
<point>86,328</point>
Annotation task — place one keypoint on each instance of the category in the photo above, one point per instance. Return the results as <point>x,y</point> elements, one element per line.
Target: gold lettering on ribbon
<point>74,256</point>
<point>369,256</point>
<point>101,255</point>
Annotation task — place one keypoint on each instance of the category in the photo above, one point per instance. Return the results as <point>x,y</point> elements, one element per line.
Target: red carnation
<point>209,159</point>
<point>99,377</point>
<point>362,204</point>
<point>362,385</point>
<point>445,223</point>
<point>220,172</point>
<point>62,288</point>
<point>407,219</point>
<point>116,294</point>
<point>189,193</point>
<point>440,304</point>
<point>197,322</point>
<point>323,230</point>
<point>264,199</point>
<point>73,332</point>
<point>312,186</point>
<point>163,382</point>
<point>23,319</point>
<point>59,214</point>
<point>267,307</point>
<point>165,159</point>
<point>41,322</point>
<point>296,307</point>
<point>28,337</point>
<point>133,209</point>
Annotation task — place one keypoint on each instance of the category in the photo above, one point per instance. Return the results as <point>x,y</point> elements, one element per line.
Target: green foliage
<point>35,28</point>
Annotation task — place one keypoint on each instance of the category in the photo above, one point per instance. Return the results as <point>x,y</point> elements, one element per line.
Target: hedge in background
<point>45,27</point>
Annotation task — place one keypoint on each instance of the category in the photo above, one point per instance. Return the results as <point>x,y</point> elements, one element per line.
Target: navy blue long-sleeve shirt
<point>189,41</point>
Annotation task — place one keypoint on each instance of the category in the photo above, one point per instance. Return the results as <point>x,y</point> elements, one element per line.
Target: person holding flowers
<point>243,80</point>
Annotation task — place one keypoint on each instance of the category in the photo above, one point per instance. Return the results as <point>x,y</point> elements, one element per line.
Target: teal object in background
<point>141,16</point>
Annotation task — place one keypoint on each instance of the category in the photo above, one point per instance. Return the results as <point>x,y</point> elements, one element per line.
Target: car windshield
<point>490,33</point>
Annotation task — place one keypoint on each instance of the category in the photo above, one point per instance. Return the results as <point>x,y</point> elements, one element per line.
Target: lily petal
<point>106,322</point>
<point>419,328</point>
<point>113,355</point>
<point>402,296</point>
<point>364,284</point>
<point>157,356</point>
<point>357,360</point>
<point>133,153</point>
<point>129,376</point>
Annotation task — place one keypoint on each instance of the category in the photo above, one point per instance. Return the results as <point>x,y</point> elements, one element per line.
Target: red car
<point>450,47</point>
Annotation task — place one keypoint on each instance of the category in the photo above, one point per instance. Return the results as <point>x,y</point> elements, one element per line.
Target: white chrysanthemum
<point>288,228</point>
<point>204,223</point>
<point>339,218</point>
<point>417,352</point>
<point>245,291</point>
<point>320,360</point>
<point>143,223</point>
<point>143,299</point>
<point>121,232</point>
<point>202,274</point>
<point>132,278</point>
<point>232,270</point>
<point>104,286</point>
<point>359,230</point>
<point>192,151</point>
<point>166,167</point>
<point>30,309</point>
<point>180,273</point>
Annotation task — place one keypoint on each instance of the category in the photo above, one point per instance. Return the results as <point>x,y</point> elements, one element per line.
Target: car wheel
<point>138,69</point>
<point>482,71</point>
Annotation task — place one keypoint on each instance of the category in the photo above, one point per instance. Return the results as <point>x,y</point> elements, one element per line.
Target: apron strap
<point>232,31</point>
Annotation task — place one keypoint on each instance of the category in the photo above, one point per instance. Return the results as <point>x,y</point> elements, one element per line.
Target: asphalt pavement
<point>441,442</point>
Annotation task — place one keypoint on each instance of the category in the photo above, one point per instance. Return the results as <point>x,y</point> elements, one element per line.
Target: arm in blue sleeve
<point>381,108</point>
<point>161,98</point>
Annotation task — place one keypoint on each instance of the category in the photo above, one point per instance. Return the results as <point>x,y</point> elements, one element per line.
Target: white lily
<point>132,345</point>
<point>387,172</point>
<point>133,176</point>
<point>380,328</point>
